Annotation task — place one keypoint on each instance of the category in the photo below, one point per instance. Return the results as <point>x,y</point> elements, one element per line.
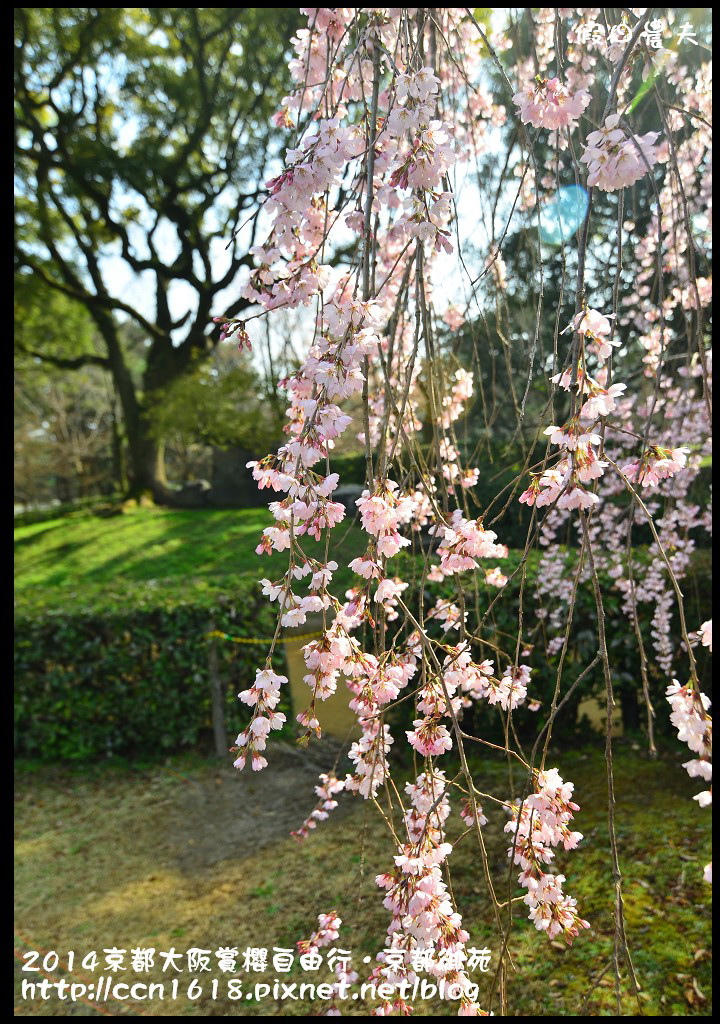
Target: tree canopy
<point>142,139</point>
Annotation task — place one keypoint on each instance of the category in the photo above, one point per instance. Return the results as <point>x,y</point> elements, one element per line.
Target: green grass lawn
<point>85,559</point>
<point>89,558</point>
<point>143,544</point>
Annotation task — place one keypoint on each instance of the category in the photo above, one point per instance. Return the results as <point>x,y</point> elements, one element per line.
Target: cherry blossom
<point>537,825</point>
<point>690,717</point>
<point>547,103</point>
<point>391,115</point>
<point>616,159</point>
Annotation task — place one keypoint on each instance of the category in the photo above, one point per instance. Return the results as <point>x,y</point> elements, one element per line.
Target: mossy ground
<point>184,854</point>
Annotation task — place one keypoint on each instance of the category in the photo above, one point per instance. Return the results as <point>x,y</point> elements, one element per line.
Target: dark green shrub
<point>134,677</point>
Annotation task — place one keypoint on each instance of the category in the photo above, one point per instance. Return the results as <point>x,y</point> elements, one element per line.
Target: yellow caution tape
<point>262,640</point>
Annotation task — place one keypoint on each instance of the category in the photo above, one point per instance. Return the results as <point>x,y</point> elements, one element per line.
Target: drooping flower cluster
<point>511,690</point>
<point>616,158</point>
<point>382,514</point>
<point>425,933</point>
<point>690,717</point>
<point>537,825</point>
<point>327,931</point>
<point>596,330</point>
<point>329,787</point>
<point>460,393</point>
<point>464,541</point>
<point>656,464</point>
<point>547,103</point>
<point>562,484</point>
<point>264,697</point>
<point>389,112</point>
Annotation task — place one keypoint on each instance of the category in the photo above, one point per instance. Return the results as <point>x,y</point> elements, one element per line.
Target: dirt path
<point>224,814</point>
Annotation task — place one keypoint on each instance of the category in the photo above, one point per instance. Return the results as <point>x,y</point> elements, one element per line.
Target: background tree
<point>224,403</point>
<point>67,441</point>
<point>68,425</point>
<point>141,134</point>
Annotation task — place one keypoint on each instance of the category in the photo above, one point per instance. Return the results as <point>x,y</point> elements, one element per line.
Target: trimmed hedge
<point>133,677</point>
<point>129,673</point>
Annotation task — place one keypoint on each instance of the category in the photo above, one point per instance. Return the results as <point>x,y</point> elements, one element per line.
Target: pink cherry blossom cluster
<point>511,690</point>
<point>537,825</point>
<point>495,577</point>
<point>263,696</point>
<point>377,681</point>
<point>369,755</point>
<point>468,815</point>
<point>464,541</point>
<point>382,513</point>
<point>447,614</point>
<point>596,330</point>
<point>328,931</point>
<point>656,464</point>
<point>460,393</point>
<point>640,581</point>
<point>615,158</point>
<point>547,103</point>
<point>425,928</point>
<point>690,717</point>
<point>329,787</point>
<point>332,370</point>
<point>563,484</point>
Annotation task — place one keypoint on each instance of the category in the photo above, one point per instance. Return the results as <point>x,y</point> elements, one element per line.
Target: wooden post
<point>217,697</point>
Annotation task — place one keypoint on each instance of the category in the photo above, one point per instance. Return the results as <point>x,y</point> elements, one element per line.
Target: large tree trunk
<point>146,465</point>
<point>118,452</point>
<point>146,469</point>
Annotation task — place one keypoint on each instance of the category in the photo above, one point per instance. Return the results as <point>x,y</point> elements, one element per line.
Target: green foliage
<point>111,617</point>
<point>350,468</point>
<point>142,135</point>
<point>48,320</point>
<point>483,16</point>
<point>134,678</point>
<point>174,99</point>
<point>216,406</point>
<point>65,510</point>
